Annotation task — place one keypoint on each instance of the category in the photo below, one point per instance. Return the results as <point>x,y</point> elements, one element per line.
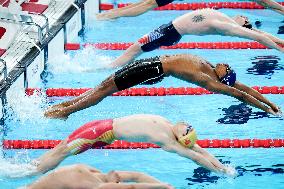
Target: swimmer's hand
<point>275,111</point>
<point>169,186</point>
<point>231,171</point>
<point>113,177</point>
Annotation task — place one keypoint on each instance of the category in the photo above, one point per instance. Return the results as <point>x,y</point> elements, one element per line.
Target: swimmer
<point>199,22</point>
<point>270,4</point>
<point>133,9</point>
<point>143,6</point>
<point>177,138</point>
<point>193,69</point>
<point>83,176</point>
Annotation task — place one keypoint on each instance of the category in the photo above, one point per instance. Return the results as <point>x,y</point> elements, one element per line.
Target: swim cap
<point>248,26</point>
<point>229,78</point>
<point>188,140</point>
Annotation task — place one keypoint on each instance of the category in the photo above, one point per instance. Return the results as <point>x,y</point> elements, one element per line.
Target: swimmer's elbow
<point>259,38</point>
<point>169,148</point>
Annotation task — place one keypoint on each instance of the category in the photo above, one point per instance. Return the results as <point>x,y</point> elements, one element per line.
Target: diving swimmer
<point>179,138</point>
<point>198,22</point>
<point>193,69</point>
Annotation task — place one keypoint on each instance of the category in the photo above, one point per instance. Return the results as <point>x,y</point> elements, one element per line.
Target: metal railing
<point>28,21</point>
<point>4,69</point>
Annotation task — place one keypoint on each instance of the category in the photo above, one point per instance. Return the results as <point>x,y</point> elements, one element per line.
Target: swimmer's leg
<point>52,158</point>
<point>77,142</point>
<point>138,9</point>
<point>104,15</point>
<point>134,9</point>
<point>130,54</point>
<point>87,99</point>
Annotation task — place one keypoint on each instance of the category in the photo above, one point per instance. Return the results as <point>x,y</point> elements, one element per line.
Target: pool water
<point>213,116</point>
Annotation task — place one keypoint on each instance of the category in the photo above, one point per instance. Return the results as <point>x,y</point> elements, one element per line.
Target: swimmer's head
<point>225,74</point>
<point>185,134</point>
<point>243,21</point>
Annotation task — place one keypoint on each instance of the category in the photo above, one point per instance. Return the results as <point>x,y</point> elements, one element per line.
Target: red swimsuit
<point>93,134</point>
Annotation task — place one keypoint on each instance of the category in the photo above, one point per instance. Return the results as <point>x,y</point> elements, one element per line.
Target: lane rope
<point>119,144</point>
<point>194,6</point>
<point>152,91</point>
<point>186,45</point>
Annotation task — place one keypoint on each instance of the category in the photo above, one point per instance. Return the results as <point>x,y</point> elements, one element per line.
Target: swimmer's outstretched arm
<point>257,95</point>
<point>130,176</point>
<point>215,86</point>
<point>271,5</point>
<point>238,31</point>
<point>208,156</point>
<point>272,37</point>
<point>134,186</point>
<point>175,147</point>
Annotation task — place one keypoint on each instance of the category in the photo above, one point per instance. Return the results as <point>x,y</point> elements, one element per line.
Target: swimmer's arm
<point>134,186</point>
<point>129,176</point>
<point>272,37</point>
<point>255,94</point>
<point>215,86</point>
<point>175,147</point>
<point>238,31</point>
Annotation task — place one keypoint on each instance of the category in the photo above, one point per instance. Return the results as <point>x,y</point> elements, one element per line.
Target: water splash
<point>23,108</point>
<point>87,60</point>
<point>17,167</point>
<point>231,171</point>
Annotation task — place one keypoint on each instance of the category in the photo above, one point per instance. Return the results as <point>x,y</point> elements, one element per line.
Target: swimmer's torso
<point>142,128</point>
<point>187,67</point>
<point>199,22</point>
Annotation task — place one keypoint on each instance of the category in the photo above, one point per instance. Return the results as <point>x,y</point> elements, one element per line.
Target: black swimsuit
<point>165,35</point>
<point>161,3</point>
<point>146,71</point>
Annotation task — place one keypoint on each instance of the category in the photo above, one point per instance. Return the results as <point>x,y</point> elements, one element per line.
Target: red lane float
<point>194,6</point>
<point>161,91</point>
<point>189,45</point>
<point>119,144</point>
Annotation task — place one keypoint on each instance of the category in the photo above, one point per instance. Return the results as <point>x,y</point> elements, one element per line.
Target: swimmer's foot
<point>61,105</point>
<point>105,17</point>
<point>56,113</point>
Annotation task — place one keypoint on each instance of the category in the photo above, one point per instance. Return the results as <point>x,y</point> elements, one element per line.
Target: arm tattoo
<point>198,18</point>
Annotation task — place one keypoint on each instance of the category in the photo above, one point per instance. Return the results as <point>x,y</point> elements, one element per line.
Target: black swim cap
<point>248,26</point>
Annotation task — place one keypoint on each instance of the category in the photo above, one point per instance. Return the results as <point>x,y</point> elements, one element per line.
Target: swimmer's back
<point>141,127</point>
<point>70,177</point>
<point>199,22</point>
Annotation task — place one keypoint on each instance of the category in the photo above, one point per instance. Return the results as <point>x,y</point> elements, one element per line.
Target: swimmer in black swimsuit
<point>133,9</point>
<point>220,78</point>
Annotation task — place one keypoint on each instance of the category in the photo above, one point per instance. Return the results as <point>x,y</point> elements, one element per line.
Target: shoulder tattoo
<point>198,18</point>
